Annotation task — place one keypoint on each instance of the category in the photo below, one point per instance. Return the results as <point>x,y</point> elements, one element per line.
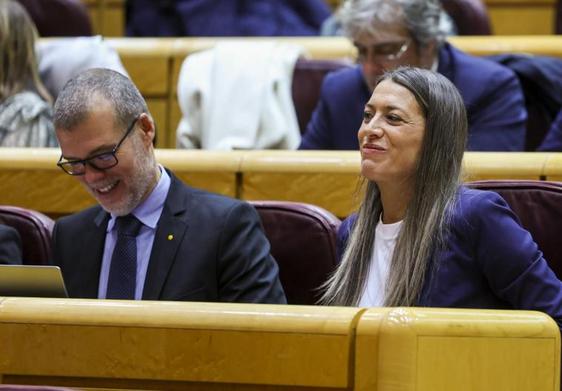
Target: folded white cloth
<point>238,96</point>
<point>61,59</point>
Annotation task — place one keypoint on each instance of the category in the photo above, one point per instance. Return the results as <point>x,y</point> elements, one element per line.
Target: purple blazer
<point>489,261</point>
<point>491,92</point>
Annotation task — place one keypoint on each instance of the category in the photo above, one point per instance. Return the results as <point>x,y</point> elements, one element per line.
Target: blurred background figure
<point>25,104</point>
<point>146,18</point>
<point>392,33</point>
<point>59,18</point>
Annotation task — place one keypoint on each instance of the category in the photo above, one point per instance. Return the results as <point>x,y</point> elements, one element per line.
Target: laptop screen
<point>31,281</point>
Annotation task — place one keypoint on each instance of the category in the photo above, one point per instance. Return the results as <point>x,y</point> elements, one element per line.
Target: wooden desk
<point>329,179</point>
<point>176,346</point>
<point>118,344</point>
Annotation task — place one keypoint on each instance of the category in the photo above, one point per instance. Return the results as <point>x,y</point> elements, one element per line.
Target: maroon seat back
<point>35,230</point>
<point>303,242</point>
<point>307,80</point>
<point>470,16</point>
<point>538,204</point>
<point>59,18</point>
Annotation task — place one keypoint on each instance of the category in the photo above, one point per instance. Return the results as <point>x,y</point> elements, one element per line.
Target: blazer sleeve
<point>553,139</point>
<point>247,271</point>
<point>10,246</point>
<point>498,122</point>
<point>511,261</point>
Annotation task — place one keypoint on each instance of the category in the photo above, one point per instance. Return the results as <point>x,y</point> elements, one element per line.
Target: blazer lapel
<point>169,233</point>
<point>90,264</point>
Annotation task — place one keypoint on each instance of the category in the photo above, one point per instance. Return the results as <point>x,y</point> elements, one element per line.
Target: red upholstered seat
<point>307,81</point>
<point>35,230</point>
<point>538,204</point>
<point>303,242</point>
<point>59,18</point>
<point>470,16</point>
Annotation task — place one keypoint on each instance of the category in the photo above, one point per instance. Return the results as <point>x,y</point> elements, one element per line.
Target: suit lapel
<point>90,262</point>
<point>169,233</point>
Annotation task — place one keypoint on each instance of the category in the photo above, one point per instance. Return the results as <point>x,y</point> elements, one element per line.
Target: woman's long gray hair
<point>436,181</point>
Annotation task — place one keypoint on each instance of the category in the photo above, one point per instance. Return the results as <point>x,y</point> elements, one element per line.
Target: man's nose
<point>92,175</point>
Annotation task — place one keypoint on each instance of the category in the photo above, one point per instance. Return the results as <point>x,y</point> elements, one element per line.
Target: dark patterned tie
<point>123,270</point>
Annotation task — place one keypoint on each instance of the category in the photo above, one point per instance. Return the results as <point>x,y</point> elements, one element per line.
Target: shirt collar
<point>148,212</point>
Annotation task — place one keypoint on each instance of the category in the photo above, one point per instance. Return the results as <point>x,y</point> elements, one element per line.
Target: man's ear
<point>148,128</point>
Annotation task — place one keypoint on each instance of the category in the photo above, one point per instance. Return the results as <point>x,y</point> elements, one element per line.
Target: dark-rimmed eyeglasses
<point>101,161</point>
<point>386,51</point>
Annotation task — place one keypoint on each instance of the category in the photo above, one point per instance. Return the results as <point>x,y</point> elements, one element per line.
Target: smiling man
<point>391,33</point>
<point>151,236</point>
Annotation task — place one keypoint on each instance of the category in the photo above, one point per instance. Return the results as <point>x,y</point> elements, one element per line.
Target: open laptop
<point>31,281</point>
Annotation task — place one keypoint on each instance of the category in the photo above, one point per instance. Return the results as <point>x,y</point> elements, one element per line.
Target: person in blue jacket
<point>553,139</point>
<point>419,237</point>
<point>390,33</point>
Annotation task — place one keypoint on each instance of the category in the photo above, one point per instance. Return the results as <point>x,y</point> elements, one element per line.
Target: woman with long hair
<point>420,238</point>
<point>25,104</point>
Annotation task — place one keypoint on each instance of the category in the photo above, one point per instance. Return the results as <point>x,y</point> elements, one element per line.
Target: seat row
<point>329,179</point>
<point>303,236</point>
<point>154,66</point>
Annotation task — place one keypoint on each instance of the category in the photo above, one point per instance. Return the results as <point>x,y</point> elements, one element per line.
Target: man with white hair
<point>391,33</point>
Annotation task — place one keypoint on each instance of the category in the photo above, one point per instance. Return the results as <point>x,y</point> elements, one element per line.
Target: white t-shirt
<point>385,241</point>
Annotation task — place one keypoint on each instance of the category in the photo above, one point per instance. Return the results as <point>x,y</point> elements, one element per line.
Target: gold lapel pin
<point>170,237</point>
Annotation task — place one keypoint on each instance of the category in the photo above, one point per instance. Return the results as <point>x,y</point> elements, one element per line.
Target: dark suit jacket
<point>553,139</point>
<point>10,245</point>
<point>492,95</point>
<point>489,261</point>
<point>218,251</point>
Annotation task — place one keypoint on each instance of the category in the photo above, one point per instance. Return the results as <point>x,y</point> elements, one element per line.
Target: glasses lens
<point>103,161</point>
<point>388,49</point>
<point>73,168</point>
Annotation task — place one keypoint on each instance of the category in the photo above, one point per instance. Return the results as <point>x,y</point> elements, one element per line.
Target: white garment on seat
<point>238,96</point>
<point>60,59</point>
<point>383,248</point>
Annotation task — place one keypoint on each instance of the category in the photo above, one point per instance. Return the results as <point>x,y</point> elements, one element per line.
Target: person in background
<point>25,104</point>
<point>151,237</point>
<point>204,18</point>
<point>420,238</point>
<point>391,33</point>
<point>10,246</point>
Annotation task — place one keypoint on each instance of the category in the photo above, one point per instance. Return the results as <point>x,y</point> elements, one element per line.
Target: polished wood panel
<point>330,179</point>
<point>174,345</point>
<point>431,349</point>
<point>118,344</point>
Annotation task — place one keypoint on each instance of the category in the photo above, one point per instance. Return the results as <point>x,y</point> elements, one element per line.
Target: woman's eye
<point>393,118</point>
<point>367,116</point>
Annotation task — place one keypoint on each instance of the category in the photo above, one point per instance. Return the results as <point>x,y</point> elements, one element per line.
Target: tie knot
<point>128,225</point>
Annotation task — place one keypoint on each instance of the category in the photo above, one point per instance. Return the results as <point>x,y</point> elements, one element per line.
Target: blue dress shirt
<point>148,212</point>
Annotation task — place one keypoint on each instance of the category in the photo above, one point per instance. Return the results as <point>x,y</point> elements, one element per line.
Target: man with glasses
<point>151,237</point>
<point>391,33</point>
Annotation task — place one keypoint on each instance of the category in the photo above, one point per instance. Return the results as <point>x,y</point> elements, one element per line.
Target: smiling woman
<point>420,238</point>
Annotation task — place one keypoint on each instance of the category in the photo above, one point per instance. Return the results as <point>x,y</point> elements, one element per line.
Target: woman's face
<point>391,135</point>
